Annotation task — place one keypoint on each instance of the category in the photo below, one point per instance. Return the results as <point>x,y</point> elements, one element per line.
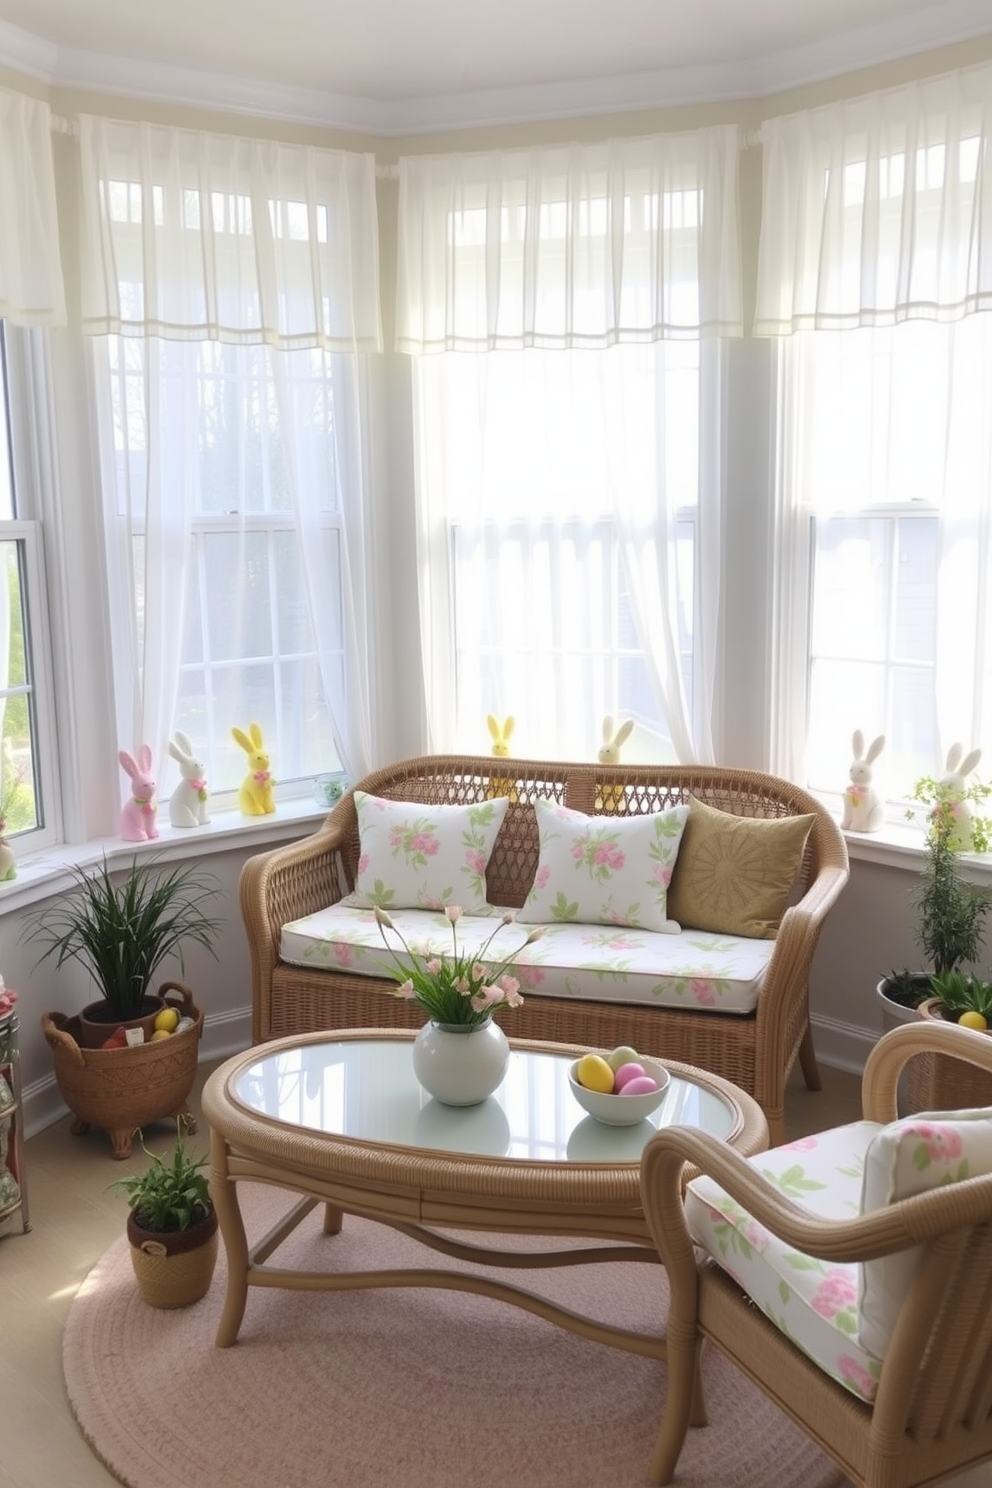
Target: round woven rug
<point>422,1387</point>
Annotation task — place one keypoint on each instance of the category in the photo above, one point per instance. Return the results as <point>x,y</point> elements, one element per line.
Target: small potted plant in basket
<point>172,1226</point>
<point>460,1055</point>
<point>130,1057</point>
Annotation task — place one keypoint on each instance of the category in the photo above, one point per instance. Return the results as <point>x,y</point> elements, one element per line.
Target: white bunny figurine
<point>610,752</point>
<point>952,784</point>
<point>864,810</point>
<point>139,812</point>
<point>188,802</point>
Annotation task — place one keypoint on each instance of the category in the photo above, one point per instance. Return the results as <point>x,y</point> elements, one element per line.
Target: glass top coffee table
<point>342,1120</point>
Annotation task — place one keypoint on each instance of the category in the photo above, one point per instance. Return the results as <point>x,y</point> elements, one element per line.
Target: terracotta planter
<point>943,1084</point>
<point>97,1022</point>
<point>122,1089</point>
<point>175,1268</point>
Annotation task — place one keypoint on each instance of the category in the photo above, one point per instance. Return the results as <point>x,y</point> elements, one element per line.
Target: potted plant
<point>131,1057</point>
<point>950,928</point>
<point>121,929</point>
<point>172,1226</point>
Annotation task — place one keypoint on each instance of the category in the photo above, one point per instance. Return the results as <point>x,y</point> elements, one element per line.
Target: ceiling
<point>393,66</point>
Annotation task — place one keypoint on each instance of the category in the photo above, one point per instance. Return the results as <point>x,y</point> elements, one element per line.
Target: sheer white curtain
<point>231,286</point>
<point>875,254</point>
<point>31,288</point>
<point>565,473</point>
<point>878,209</point>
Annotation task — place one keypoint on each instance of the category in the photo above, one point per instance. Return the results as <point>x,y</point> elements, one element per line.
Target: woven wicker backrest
<point>617,790</point>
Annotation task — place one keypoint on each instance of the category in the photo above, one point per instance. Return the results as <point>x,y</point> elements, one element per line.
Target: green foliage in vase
<point>454,989</point>
<point>122,928</point>
<point>168,1196</point>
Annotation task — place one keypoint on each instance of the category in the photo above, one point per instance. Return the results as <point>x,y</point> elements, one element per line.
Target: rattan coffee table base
<point>425,1194</point>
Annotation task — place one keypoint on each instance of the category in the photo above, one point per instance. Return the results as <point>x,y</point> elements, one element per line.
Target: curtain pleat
<point>878,209</point>
<point>570,247</point>
<point>31,285</point>
<point>195,236</point>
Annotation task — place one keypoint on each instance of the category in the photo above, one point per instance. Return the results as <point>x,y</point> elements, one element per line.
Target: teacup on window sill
<point>328,789</point>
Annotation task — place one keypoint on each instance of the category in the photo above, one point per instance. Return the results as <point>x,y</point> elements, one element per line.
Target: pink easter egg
<point>624,1073</point>
<point>640,1085</point>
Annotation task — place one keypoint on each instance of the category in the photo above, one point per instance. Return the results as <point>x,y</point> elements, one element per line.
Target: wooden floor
<point>74,1217</point>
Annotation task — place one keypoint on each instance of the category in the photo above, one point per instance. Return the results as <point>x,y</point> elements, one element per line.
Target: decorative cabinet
<point>13,1196</point>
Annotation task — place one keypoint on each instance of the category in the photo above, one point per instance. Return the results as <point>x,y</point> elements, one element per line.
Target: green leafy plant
<point>455,990</point>
<point>961,993</point>
<point>941,798</point>
<point>951,910</point>
<point>169,1195</point>
<point>121,929</point>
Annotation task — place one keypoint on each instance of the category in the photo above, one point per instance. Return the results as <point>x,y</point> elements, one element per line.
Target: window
<point>27,798</point>
<point>232,544</point>
<point>561,484</point>
<point>894,434</point>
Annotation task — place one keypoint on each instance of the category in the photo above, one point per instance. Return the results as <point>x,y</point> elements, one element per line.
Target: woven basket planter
<point>174,1269</point>
<point>122,1089</point>
<point>938,1083</point>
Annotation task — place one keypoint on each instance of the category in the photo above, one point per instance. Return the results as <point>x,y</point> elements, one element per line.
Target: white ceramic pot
<point>460,1066</point>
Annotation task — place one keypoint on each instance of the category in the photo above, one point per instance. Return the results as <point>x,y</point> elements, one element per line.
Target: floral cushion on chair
<point>906,1158</point>
<point>604,870</point>
<point>414,856</point>
<point>814,1302</point>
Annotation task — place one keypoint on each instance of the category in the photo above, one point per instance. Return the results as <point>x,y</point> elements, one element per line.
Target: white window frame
<point>29,426</point>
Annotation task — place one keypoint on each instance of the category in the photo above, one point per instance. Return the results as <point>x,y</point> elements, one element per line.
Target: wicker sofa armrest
<point>289,882</point>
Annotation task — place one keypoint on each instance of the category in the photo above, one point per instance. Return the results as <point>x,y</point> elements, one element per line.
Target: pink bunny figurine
<point>138,815</point>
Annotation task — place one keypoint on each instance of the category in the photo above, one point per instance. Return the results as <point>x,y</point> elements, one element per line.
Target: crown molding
<point>941,25</point>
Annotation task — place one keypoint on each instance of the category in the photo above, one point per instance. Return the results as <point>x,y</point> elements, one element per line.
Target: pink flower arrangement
<point>456,990</point>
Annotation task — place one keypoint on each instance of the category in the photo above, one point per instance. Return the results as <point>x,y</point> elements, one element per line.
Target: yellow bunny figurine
<point>501,785</point>
<point>255,796</point>
<point>610,798</point>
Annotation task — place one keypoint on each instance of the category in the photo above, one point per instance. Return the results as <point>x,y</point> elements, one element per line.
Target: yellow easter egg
<point>594,1073</point>
<point>973,1019</point>
<point>166,1020</point>
<point>159,1035</point>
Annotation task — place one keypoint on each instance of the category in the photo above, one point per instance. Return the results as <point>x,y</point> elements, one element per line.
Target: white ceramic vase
<point>458,1065</point>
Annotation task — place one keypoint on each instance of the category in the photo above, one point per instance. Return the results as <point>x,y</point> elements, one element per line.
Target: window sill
<point>897,846</point>
<point>41,874</point>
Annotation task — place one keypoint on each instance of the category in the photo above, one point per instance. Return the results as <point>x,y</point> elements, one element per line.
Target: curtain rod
<point>384,172</point>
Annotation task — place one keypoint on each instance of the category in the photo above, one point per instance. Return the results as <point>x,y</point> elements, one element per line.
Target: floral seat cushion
<point>814,1302</point>
<point>599,963</point>
<point>842,1316</point>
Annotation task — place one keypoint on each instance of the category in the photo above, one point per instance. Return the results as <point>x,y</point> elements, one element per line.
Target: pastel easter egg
<point>595,1074</point>
<point>625,1074</point>
<point>640,1085</point>
<point>622,1054</point>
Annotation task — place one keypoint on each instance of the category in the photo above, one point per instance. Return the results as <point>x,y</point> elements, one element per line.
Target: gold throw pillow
<point>734,874</point>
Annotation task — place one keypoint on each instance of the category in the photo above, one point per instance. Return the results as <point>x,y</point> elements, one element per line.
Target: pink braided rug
<point>420,1388</point>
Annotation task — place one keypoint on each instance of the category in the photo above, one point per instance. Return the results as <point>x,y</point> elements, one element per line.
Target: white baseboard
<point>843,1046</point>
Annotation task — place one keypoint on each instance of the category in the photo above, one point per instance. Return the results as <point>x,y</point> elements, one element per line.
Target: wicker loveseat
<point>755,1050</point>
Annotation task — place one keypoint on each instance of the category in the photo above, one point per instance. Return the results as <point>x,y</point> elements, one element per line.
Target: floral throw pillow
<point>414,856</point>
<point>906,1158</point>
<point>604,870</point>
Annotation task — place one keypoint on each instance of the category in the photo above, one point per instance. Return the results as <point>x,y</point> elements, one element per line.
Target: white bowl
<point>621,1110</point>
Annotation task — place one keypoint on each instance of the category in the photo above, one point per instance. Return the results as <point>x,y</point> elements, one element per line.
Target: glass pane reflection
<point>368,1090</point>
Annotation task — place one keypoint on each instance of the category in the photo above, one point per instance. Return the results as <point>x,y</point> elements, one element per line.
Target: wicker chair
<point>932,1414</point>
<point>756,1052</point>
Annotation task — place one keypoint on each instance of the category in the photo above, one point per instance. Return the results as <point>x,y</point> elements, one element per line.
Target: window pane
<point>19,795</point>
